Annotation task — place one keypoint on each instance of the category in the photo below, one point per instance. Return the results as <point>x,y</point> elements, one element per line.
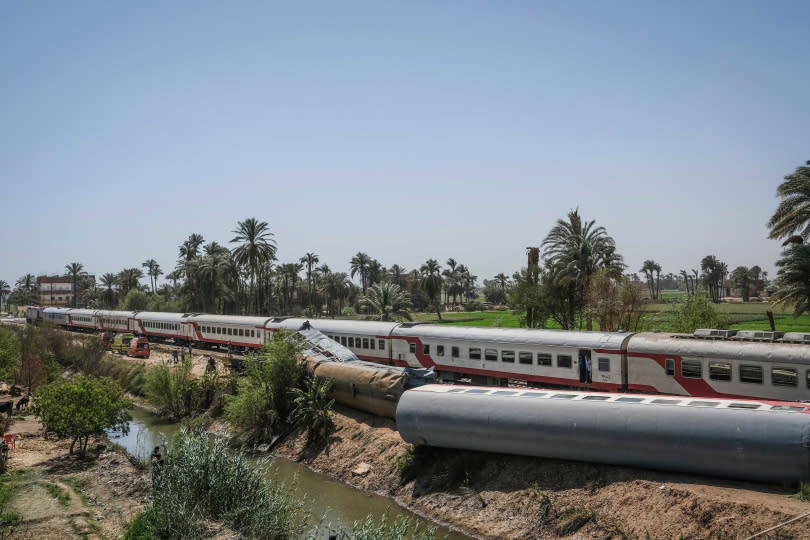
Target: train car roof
<point>82,311</point>
<point>518,336</point>
<point>341,326</point>
<point>61,310</point>
<point>686,345</point>
<point>241,320</point>
<point>159,316</point>
<point>111,313</point>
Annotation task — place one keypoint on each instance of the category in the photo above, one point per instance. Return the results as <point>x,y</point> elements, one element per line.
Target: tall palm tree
<point>360,264</point>
<point>502,280</point>
<point>128,279</point>
<point>387,300</point>
<point>27,285</point>
<point>575,249</point>
<point>793,279</point>
<point>431,283</point>
<point>310,260</point>
<point>257,249</point>
<point>336,287</point>
<point>792,216</point>
<point>5,290</point>
<point>75,270</point>
<point>109,281</point>
<point>153,271</point>
<point>397,274</point>
<point>652,271</point>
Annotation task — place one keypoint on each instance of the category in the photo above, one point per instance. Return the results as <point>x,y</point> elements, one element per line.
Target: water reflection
<point>332,505</point>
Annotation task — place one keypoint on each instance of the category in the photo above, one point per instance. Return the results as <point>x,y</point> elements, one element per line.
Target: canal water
<point>331,505</point>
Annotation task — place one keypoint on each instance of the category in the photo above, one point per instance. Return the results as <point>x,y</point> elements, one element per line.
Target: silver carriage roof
<point>110,313</point>
<point>237,320</point>
<point>686,345</point>
<point>57,310</point>
<point>78,311</point>
<point>159,316</point>
<point>517,336</point>
<point>365,328</point>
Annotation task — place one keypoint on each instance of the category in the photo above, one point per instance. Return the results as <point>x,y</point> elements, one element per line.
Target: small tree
<point>82,406</point>
<point>697,312</point>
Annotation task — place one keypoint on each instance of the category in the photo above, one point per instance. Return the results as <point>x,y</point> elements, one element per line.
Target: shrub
<point>313,410</point>
<point>202,481</point>
<point>402,528</point>
<point>697,311</point>
<point>171,389</point>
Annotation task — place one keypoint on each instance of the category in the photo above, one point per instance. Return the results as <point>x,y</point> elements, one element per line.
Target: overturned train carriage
<point>735,439</point>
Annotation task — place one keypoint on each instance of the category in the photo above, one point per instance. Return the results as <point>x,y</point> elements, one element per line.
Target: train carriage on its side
<point>495,355</point>
<point>730,367</point>
<point>243,332</point>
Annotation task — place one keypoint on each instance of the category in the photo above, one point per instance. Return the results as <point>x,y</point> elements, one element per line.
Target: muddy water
<point>332,505</point>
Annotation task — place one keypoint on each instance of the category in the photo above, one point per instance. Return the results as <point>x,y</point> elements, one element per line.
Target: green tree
<point>574,250</point>
<point>695,312</point>
<point>128,279</point>
<point>652,272</point>
<point>714,272</point>
<point>82,406</point>
<point>310,260</point>
<point>25,291</point>
<point>135,300</point>
<point>171,389</point>
<point>361,264</point>
<point>386,301</point>
<point>741,276</point>
<point>257,249</point>
<point>313,408</point>
<point>614,301</point>
<point>792,216</point>
<point>74,270</point>
<point>109,295</point>
<point>793,279</point>
<point>153,271</point>
<point>5,290</point>
<point>431,283</point>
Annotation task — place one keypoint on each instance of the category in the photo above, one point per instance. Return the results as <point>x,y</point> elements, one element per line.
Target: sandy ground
<point>517,497</point>
<point>105,490</point>
<point>161,353</point>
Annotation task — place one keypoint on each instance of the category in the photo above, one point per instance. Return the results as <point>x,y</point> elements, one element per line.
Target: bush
<point>171,389</point>
<point>313,410</point>
<point>402,528</point>
<point>697,311</point>
<point>202,481</point>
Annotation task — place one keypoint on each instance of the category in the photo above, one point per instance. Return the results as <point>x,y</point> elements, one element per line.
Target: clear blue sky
<point>408,130</point>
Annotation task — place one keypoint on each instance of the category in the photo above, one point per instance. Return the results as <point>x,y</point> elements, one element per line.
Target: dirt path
<point>517,497</point>
<point>61,497</point>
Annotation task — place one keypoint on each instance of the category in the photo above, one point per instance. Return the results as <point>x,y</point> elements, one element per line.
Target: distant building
<point>57,290</point>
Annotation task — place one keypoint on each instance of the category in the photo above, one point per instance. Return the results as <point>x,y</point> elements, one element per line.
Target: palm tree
<point>27,286</point>
<point>5,290</point>
<point>336,287</point>
<point>575,249</point>
<point>256,250</point>
<point>109,281</point>
<point>153,271</point>
<point>287,281</point>
<point>431,283</point>
<point>652,269</point>
<point>74,270</point>
<point>310,259</point>
<point>128,279</point>
<point>396,274</point>
<point>387,300</point>
<point>502,280</point>
<point>792,216</point>
<point>360,264</point>
<point>713,273</point>
<point>793,279</point>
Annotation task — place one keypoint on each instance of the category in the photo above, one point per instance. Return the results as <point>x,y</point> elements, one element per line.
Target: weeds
<point>573,520</point>
<point>58,493</point>
<point>79,487</point>
<point>402,528</point>
<point>804,491</point>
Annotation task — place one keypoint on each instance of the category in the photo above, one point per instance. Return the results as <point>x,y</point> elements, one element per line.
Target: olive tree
<point>82,406</point>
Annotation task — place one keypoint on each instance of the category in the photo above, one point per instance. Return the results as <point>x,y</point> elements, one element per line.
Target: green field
<point>739,316</point>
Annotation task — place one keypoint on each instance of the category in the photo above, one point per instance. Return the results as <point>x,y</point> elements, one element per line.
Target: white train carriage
<point>115,321</point>
<point>369,340</point>
<point>162,325</point>
<point>684,365</point>
<point>491,355</point>
<point>229,330</point>
<point>83,319</point>
<point>33,314</point>
<point>57,316</point>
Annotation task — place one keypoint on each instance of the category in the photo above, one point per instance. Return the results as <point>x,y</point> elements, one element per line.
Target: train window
<point>475,354</point>
<point>719,371</point>
<point>543,359</point>
<point>808,378</point>
<point>491,355</point>
<point>751,374</point>
<point>412,348</point>
<point>703,403</point>
<point>253,333</point>
<point>343,340</point>
<point>439,350</point>
<point>426,349</point>
<point>563,360</point>
<point>381,344</point>
<point>604,364</point>
<point>365,343</point>
<point>525,357</point>
<point>230,331</point>
<point>351,341</point>
<point>219,330</point>
<point>371,342</point>
<point>784,377</point>
<point>692,369</point>
<point>508,356</point>
<point>454,352</point>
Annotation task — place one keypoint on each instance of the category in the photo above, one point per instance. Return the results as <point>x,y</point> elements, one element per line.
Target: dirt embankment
<point>517,497</point>
<point>59,496</point>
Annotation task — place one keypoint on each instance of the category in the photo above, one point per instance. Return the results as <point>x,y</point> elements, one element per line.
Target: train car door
<point>585,366</point>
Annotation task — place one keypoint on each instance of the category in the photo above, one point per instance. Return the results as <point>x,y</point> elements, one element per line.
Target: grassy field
<point>739,316</point>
